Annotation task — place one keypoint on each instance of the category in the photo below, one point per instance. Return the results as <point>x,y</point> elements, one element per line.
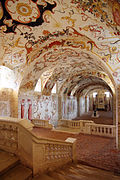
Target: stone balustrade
<point>52,154</point>
<point>89,127</point>
<point>56,151</point>
<point>9,134</point>
<point>78,124</point>
<point>100,129</point>
<point>41,123</point>
<point>40,154</point>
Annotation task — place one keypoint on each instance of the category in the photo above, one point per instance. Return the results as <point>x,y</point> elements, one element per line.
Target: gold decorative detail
<point>23,9</point>
<point>1,11</point>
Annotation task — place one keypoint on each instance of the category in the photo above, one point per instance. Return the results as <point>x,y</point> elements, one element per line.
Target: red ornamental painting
<point>116,13</point>
<point>29,109</point>
<point>22,108</point>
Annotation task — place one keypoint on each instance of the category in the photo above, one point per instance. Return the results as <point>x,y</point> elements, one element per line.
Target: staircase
<point>78,172</point>
<point>12,169</point>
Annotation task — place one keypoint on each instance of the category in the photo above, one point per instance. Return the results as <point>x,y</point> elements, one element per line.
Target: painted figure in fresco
<point>29,109</point>
<point>22,108</point>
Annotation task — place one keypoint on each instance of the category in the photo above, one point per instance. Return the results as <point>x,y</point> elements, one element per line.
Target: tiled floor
<point>105,117</point>
<point>78,172</point>
<point>93,150</point>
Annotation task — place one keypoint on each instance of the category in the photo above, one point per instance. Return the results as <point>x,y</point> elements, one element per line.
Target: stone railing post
<point>25,146</point>
<point>73,141</point>
<point>118,117</point>
<point>38,158</point>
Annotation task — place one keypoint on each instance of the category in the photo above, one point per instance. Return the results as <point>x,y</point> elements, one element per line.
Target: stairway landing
<point>78,172</point>
<point>12,169</point>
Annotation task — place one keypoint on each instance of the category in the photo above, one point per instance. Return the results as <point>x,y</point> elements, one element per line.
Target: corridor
<point>93,150</point>
<point>105,117</point>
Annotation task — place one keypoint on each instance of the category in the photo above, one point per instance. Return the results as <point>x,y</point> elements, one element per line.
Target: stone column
<point>78,107</point>
<point>114,108</point>
<point>59,107</point>
<point>91,102</point>
<point>118,116</point>
<point>85,104</point>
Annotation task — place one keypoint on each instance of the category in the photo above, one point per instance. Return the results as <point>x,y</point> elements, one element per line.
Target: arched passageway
<point>68,45</point>
<point>60,60</point>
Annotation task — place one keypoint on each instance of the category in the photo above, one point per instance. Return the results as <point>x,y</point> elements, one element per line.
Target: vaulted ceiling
<point>73,43</point>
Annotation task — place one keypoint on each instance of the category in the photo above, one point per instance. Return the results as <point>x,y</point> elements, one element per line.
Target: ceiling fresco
<point>84,86</point>
<point>52,39</point>
<point>68,67</point>
<point>97,89</point>
<point>65,62</point>
<point>84,79</point>
<point>78,92</point>
<point>23,12</point>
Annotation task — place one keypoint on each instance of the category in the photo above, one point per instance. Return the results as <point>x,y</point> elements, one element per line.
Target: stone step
<point>7,161</point>
<point>82,172</point>
<point>19,172</point>
<point>11,169</point>
<point>43,177</point>
<point>58,175</point>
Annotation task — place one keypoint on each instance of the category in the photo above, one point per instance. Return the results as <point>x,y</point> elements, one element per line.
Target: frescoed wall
<point>87,104</point>
<point>69,107</point>
<point>42,32</point>
<point>82,105</point>
<point>71,43</point>
<point>36,106</point>
<point>8,102</point>
<point>5,108</point>
<point>46,107</point>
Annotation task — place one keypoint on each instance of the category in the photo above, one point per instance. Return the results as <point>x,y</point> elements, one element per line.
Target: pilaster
<point>118,115</point>
<point>59,107</point>
<point>85,104</point>
<point>114,108</point>
<point>78,107</point>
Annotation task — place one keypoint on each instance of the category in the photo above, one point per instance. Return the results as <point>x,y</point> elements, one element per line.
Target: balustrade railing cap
<point>9,119</point>
<point>71,140</point>
<point>25,123</point>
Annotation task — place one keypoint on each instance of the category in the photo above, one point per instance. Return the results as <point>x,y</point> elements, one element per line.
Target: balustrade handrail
<point>40,120</point>
<point>9,119</point>
<point>16,122</point>
<point>100,129</point>
<point>101,125</point>
<point>41,123</point>
<point>45,151</point>
<point>70,120</point>
<point>73,123</point>
<point>39,139</point>
<point>89,127</point>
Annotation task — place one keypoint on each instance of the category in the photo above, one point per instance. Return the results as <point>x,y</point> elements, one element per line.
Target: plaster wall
<point>8,102</point>
<point>82,105</point>
<point>36,106</point>
<point>87,105</point>
<point>69,107</point>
